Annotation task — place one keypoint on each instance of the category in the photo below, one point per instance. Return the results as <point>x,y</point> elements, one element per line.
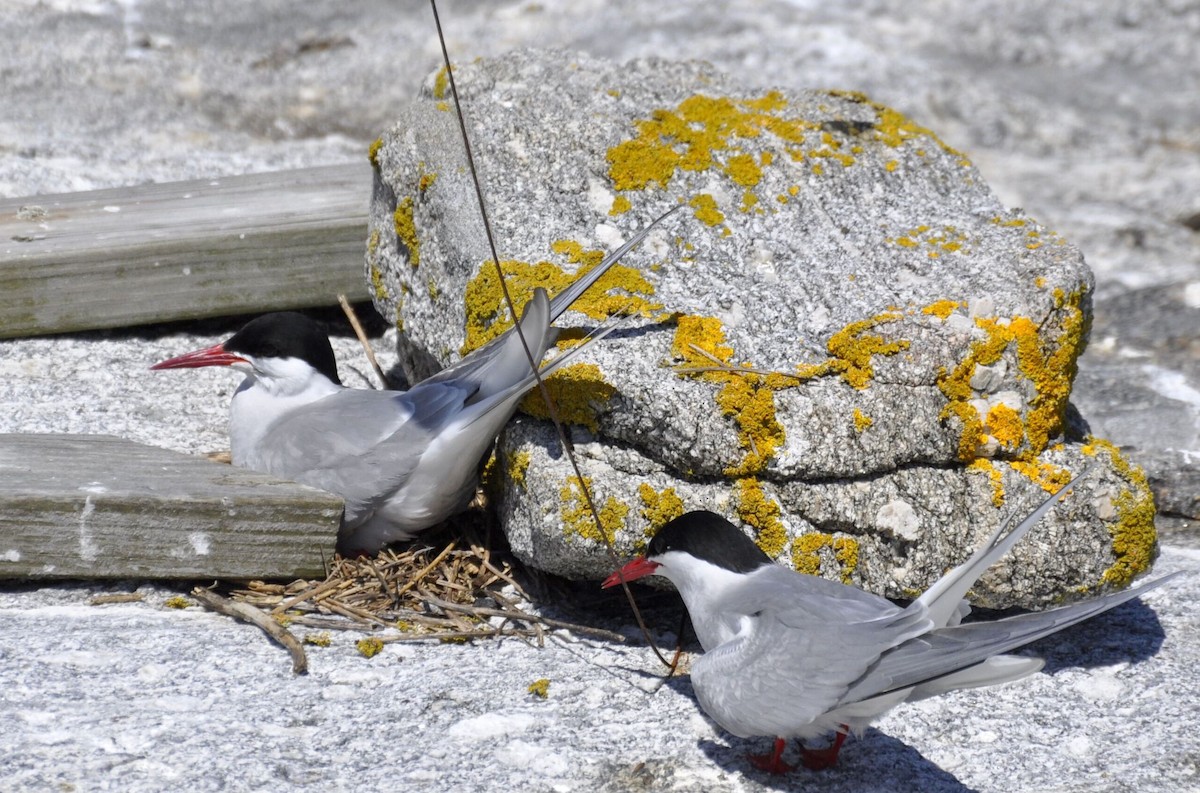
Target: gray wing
<point>948,650</point>
<point>803,643</point>
<point>359,444</point>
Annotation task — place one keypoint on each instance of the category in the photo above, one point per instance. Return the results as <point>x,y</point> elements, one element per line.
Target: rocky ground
<point>1087,120</point>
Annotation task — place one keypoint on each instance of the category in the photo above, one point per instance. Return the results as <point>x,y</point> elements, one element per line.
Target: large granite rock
<point>847,343</point>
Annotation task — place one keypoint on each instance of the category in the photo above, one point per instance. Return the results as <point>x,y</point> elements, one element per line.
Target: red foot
<point>820,759</point>
<point>772,763</point>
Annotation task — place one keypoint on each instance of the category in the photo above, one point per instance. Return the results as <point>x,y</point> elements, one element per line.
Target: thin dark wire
<point>533,365</point>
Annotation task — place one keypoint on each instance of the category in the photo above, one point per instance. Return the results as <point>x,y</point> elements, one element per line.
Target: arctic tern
<point>798,656</point>
<point>402,461</point>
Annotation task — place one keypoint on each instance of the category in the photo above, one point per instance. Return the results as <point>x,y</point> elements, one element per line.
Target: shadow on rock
<point>1130,632</point>
<point>875,762</point>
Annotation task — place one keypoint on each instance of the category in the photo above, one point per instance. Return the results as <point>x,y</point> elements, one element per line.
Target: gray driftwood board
<point>183,250</point>
<point>95,506</point>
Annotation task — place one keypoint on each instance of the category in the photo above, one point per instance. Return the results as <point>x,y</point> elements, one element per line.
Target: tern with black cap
<point>403,461</point>
<point>797,656</point>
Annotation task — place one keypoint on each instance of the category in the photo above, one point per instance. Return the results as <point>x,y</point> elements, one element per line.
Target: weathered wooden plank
<point>95,506</point>
<point>182,250</point>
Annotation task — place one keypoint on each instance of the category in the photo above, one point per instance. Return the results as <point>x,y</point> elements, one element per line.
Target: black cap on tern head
<point>708,536</point>
<point>286,334</point>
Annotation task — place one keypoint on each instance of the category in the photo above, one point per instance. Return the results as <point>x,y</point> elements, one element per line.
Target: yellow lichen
<point>518,466</point>
<point>577,519</point>
<point>747,398</point>
<point>946,239</point>
<point>426,181</point>
<point>1047,476</point>
<point>369,647</point>
<point>760,512</point>
<point>1048,365</point>
<point>406,230</point>
<point>486,312</point>
<point>441,83</point>
<point>377,283</point>
<point>744,170</point>
<point>1004,424</point>
<point>705,133</point>
<point>620,206</point>
<point>852,349</point>
<point>540,688</point>
<point>942,308</point>
<point>659,509</point>
<point>995,477</point>
<point>321,639</point>
<point>806,554</point>
<point>705,209</point>
<point>579,392</point>
<point>862,421</point>
<point>1134,536</point>
<point>178,602</point>
<point>373,152</point>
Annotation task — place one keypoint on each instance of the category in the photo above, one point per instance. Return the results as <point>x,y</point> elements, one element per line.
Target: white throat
<point>272,388</point>
<point>705,589</point>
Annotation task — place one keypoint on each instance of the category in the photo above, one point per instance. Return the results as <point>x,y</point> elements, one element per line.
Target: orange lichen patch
<point>406,230</point>
<point>426,181</point>
<point>852,349</point>
<point>1134,536</point>
<point>1004,424</point>
<point>862,421</point>
<point>942,308</point>
<point>579,391</point>
<point>577,518</point>
<point>761,512</point>
<point>1047,476</point>
<point>994,475</point>
<point>620,206</point>
<point>1048,365</point>
<point>621,288</point>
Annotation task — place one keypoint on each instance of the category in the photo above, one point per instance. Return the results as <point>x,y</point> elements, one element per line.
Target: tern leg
<point>820,759</point>
<point>772,763</point>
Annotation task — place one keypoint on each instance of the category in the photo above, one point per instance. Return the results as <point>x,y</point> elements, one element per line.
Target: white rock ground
<point>1085,119</point>
<point>141,697</point>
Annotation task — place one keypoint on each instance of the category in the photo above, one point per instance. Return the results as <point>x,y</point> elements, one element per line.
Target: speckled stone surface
<point>897,320</point>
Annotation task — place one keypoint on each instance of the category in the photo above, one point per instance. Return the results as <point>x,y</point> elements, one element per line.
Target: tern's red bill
<point>209,356</point>
<point>638,568</point>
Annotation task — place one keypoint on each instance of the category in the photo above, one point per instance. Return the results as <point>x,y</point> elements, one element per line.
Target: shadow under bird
<point>403,461</point>
<point>797,656</point>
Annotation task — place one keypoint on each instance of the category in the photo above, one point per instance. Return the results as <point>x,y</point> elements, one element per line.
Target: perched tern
<point>403,461</point>
<point>797,656</point>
